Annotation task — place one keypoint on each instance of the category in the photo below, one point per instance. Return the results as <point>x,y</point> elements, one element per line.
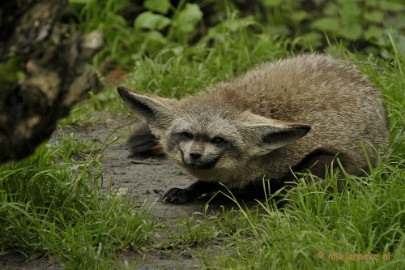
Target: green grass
<point>317,230</point>
<point>51,203</point>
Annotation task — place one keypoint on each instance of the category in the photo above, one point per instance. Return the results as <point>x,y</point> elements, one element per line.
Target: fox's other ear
<point>267,134</point>
<point>151,109</point>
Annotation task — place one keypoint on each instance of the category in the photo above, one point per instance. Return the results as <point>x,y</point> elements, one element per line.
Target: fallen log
<point>43,72</point>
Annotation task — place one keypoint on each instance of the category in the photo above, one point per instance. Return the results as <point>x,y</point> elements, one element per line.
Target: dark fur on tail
<point>144,144</point>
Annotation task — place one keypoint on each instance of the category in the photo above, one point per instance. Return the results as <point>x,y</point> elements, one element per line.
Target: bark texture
<point>43,72</point>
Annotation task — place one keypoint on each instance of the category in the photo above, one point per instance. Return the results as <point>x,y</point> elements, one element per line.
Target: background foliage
<point>150,26</point>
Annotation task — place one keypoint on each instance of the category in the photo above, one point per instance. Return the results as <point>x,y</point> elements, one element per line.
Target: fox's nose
<point>195,155</point>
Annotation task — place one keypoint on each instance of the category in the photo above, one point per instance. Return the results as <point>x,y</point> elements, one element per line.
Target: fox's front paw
<point>178,196</point>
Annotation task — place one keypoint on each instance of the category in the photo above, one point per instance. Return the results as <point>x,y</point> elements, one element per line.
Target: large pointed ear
<point>156,111</point>
<point>265,135</point>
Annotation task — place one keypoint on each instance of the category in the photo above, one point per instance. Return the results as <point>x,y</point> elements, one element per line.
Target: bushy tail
<point>143,143</point>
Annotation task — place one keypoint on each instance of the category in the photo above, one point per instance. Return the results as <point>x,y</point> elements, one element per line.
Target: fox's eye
<point>186,135</point>
<point>218,140</point>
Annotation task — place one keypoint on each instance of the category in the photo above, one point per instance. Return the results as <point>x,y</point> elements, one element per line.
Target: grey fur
<point>262,116</point>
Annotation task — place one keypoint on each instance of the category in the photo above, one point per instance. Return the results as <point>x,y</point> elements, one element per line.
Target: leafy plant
<point>158,26</point>
<point>361,24</point>
<point>151,25</point>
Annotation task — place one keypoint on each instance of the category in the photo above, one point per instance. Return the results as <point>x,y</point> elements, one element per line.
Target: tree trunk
<point>42,72</point>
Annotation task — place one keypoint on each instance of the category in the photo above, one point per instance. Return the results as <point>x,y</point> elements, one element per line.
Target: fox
<point>299,114</point>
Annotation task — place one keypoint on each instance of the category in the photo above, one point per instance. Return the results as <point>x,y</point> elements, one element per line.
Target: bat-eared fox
<point>304,113</point>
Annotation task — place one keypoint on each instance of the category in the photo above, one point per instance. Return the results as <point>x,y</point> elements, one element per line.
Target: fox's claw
<point>178,196</point>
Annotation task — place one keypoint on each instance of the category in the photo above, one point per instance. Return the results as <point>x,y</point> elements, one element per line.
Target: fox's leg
<point>318,161</point>
<point>144,144</point>
<point>191,193</point>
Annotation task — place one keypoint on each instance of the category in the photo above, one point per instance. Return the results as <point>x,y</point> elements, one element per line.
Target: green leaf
<point>299,16</point>
<point>161,6</point>
<point>326,24</point>
<point>272,3</point>
<point>401,44</point>
<point>151,21</point>
<point>314,39</point>
<point>372,3</point>
<point>391,6</point>
<point>351,32</point>
<point>373,32</point>
<point>374,16</point>
<point>155,37</point>
<point>242,23</point>
<point>278,29</point>
<point>81,2</point>
<point>188,18</point>
<point>350,11</point>
<point>397,22</point>
<point>331,9</point>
